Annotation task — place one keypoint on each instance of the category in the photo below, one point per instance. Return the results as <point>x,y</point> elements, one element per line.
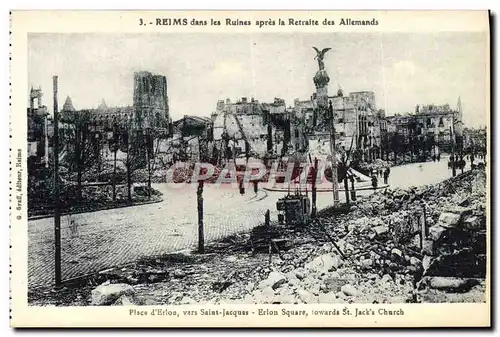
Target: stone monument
<point>324,120</point>
<point>321,80</point>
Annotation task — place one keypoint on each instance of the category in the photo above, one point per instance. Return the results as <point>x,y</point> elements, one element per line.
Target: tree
<point>344,166</point>
<point>152,141</point>
<point>132,142</point>
<point>114,145</point>
<point>82,144</point>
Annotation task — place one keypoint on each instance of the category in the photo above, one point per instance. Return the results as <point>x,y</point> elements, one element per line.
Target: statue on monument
<point>320,55</point>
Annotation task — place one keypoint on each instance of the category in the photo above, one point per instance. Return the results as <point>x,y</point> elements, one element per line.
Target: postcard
<point>250,169</point>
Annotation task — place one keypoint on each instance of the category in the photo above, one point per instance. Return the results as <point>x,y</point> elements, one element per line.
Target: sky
<point>402,69</point>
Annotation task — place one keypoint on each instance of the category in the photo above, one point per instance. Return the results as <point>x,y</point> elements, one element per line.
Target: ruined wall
<point>360,97</point>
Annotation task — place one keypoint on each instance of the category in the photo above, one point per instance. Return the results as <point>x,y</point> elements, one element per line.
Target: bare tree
<point>132,142</point>
<point>344,165</point>
<point>82,143</point>
<point>153,139</point>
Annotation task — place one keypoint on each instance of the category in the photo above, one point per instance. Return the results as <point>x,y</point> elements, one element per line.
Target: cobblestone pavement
<point>108,238</point>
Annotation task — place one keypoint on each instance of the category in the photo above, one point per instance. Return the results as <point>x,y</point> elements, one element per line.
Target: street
<point>104,239</point>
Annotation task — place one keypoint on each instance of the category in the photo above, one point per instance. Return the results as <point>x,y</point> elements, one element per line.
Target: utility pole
<point>57,205</point>
<point>201,234</point>
<point>452,135</point>
<point>334,160</point>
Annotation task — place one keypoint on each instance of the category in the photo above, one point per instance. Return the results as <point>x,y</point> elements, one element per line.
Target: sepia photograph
<point>170,170</point>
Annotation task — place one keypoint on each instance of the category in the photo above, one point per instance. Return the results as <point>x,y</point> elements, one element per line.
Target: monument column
<point>326,116</point>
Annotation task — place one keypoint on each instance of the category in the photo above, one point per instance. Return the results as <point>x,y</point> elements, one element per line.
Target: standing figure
<point>374,182</point>
<point>439,157</point>
<point>386,176</point>
<point>353,190</point>
<point>242,187</point>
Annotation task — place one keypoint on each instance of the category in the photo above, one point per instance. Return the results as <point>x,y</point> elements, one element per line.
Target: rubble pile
<point>422,244</point>
<point>451,254</point>
<point>455,249</point>
<point>377,254</point>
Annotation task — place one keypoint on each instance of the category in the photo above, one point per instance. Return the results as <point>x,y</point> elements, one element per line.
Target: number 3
<point>141,22</point>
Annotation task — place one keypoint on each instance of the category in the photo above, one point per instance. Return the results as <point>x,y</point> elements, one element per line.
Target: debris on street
<point>395,246</point>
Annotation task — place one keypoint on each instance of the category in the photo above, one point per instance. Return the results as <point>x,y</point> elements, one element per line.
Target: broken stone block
<point>397,253</point>
<point>426,262</point>
<point>265,295</point>
<point>300,273</point>
<point>435,232</point>
<point>451,284</point>
<point>462,211</point>
<point>106,294</point>
<point>306,297</point>
<point>149,301</point>
<point>448,219</point>
<point>349,290</point>
<point>378,231</point>
<point>414,261</point>
<point>366,263</point>
<point>274,280</point>
<point>293,282</point>
<point>428,247</point>
<point>474,222</point>
<point>324,263</point>
<point>124,300</point>
<point>248,299</point>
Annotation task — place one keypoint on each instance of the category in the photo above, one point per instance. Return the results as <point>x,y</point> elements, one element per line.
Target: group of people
<point>436,157</point>
<point>381,173</point>
<point>456,161</point>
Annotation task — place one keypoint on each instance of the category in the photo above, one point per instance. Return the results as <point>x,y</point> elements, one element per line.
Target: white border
<point>186,4</point>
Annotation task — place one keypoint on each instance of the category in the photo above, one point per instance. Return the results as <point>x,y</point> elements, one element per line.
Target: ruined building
<point>358,124</point>
<point>248,126</point>
<point>149,110</point>
<point>439,124</point>
<point>39,123</point>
